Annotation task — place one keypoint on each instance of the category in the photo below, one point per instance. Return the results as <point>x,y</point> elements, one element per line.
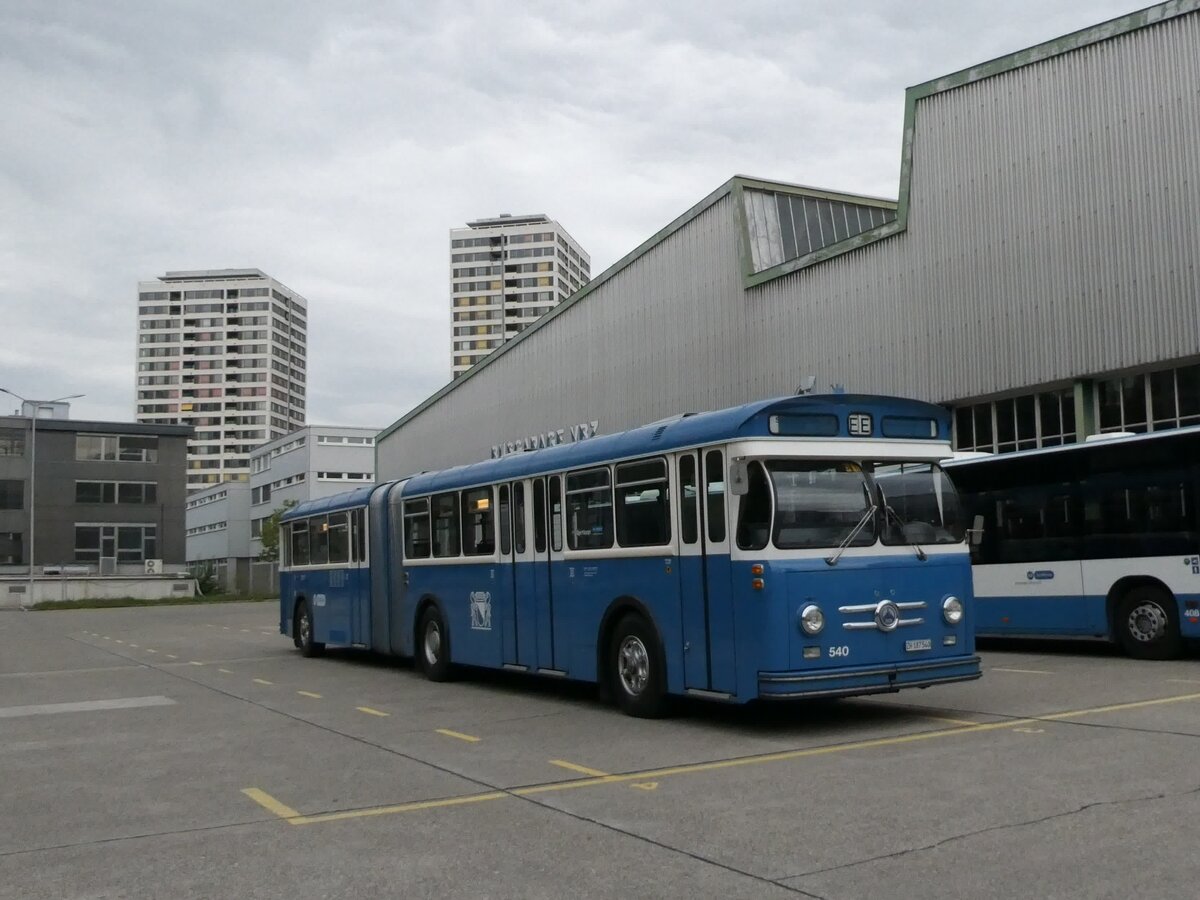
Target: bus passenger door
<point>524,580</point>
<point>543,588</point>
<point>704,572</point>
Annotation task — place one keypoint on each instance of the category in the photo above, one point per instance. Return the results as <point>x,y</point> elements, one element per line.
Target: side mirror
<point>975,532</point>
<point>739,478</point>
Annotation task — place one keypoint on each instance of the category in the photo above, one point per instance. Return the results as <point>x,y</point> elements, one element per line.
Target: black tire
<point>1147,624</point>
<point>433,645</point>
<point>636,668</point>
<point>302,632</point>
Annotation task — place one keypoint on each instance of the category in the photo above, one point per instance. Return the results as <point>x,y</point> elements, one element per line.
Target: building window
<point>121,492</point>
<point>1044,419</point>
<point>116,448</point>
<point>10,548</point>
<point>127,543</point>
<point>12,441</point>
<point>12,493</point>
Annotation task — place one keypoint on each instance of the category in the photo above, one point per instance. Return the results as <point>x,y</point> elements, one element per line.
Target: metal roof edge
<point>657,238</point>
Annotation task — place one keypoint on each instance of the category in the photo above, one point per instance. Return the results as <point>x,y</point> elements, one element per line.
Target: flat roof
<point>90,425</point>
<point>212,274</point>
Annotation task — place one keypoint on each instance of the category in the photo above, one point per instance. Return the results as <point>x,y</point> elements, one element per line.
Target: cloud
<point>333,147</point>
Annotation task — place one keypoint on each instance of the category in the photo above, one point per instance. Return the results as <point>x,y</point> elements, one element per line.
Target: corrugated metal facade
<point>1051,235</point>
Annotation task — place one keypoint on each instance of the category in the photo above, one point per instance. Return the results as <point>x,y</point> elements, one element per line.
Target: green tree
<point>270,533</point>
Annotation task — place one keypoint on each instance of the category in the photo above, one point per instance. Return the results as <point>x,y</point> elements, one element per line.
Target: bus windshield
<point>818,503</point>
<point>919,504</point>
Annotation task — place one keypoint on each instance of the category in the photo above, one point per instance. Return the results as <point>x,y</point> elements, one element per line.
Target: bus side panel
<point>331,594</point>
<point>1180,575</point>
<point>1036,598</point>
<point>465,592</point>
<point>591,588</point>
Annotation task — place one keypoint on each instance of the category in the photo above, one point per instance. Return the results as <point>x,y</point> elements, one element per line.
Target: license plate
<point>920,644</point>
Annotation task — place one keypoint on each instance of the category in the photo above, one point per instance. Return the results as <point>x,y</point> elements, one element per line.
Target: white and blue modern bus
<point>809,546</point>
<point>1092,540</point>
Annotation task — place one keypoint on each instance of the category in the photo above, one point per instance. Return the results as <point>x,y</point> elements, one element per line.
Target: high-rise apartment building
<point>222,350</point>
<point>505,273</point>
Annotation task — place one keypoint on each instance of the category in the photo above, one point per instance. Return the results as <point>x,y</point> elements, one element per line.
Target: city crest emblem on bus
<point>481,611</point>
<point>887,616</point>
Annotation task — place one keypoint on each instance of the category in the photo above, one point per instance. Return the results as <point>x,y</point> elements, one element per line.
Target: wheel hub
<point>433,642</point>
<point>305,628</point>
<point>1147,622</point>
<point>633,665</point>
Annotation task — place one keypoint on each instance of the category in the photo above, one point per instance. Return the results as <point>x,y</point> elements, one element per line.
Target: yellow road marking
<point>1031,730</point>
<point>119,641</point>
<point>244,630</point>
<point>1020,671</point>
<point>645,785</point>
<point>172,656</point>
<point>949,721</point>
<point>107,638</point>
<point>584,770</point>
<point>132,644</point>
<point>469,738</point>
<point>262,681</point>
<point>269,803</point>
<point>309,694</point>
<point>148,650</point>
<point>225,671</point>
<point>654,775</point>
<point>371,712</point>
<point>192,662</point>
<point>1183,680</point>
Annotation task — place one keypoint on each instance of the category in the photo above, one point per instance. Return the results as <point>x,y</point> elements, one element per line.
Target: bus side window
<point>318,541</point>
<point>643,504</point>
<point>555,512</point>
<point>505,522</point>
<point>416,529</point>
<point>444,509</point>
<point>359,525</point>
<point>338,531</point>
<point>285,546</point>
<point>539,515</point>
<point>299,556</point>
<point>689,531</point>
<point>478,523</point>
<point>754,517</point>
<point>714,492</point>
<point>519,517</point>
<point>589,510</point>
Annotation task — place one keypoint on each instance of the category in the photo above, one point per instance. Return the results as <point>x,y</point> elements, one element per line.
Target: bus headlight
<point>812,620</point>
<point>952,610</point>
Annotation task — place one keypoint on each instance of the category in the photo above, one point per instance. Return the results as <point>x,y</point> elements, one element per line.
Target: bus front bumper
<point>885,678</point>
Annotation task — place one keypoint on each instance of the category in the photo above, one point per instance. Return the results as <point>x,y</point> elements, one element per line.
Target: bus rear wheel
<point>636,668</point>
<point>1147,624</point>
<point>433,645</point>
<point>302,632</point>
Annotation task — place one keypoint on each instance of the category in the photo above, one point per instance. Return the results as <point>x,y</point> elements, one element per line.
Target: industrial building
<point>1036,274</point>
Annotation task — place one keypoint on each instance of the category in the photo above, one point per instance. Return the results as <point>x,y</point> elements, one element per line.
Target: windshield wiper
<point>841,548</point>
<point>888,511</point>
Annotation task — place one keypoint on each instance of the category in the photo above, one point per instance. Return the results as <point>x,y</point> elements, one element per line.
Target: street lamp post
<point>34,405</point>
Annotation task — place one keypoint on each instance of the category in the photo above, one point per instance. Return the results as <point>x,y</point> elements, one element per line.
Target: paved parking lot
<point>190,752</point>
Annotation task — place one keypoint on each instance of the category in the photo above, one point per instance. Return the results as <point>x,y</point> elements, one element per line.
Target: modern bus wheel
<point>638,674</point>
<point>302,632</point>
<point>1147,624</point>
<point>433,645</point>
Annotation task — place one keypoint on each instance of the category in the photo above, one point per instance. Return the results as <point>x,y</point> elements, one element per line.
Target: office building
<point>224,351</point>
<point>106,497</point>
<point>505,273</point>
<point>224,521</point>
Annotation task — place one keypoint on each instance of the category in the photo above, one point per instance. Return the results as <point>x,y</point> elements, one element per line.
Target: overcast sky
<point>333,145</point>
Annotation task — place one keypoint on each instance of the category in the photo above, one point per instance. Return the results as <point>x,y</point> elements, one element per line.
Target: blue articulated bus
<point>806,546</point>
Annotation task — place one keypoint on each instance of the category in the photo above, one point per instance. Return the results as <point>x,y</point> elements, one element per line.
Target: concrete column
<point>1085,409</point>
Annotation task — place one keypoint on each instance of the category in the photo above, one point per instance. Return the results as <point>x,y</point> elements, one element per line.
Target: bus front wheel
<point>302,632</point>
<point>433,645</point>
<point>637,670</point>
<point>1147,624</point>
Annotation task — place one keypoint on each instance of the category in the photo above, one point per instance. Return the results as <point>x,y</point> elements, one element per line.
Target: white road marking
<point>49,709</point>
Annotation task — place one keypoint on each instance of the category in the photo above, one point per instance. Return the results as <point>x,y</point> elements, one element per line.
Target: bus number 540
<point>839,651</point>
